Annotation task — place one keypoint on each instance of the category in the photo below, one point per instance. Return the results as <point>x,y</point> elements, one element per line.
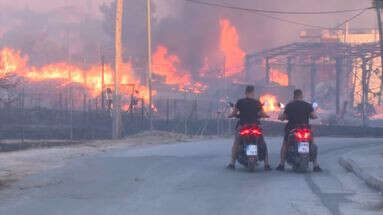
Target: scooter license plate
<point>303,148</point>
<point>251,150</point>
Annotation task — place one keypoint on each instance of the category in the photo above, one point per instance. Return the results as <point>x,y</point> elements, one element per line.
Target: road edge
<point>369,179</point>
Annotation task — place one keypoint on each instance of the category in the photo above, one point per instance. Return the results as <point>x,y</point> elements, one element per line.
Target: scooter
<point>252,147</point>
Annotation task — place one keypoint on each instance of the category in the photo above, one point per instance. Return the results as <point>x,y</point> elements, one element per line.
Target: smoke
<point>193,30</point>
<point>40,27</point>
<point>52,35</point>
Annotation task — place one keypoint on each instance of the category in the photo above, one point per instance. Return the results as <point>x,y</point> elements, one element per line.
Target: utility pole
<point>364,91</point>
<point>118,59</point>
<point>378,4</point>
<point>102,82</point>
<point>149,75</point>
<point>70,93</point>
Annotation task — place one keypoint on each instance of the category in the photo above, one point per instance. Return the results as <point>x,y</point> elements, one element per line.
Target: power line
<point>290,21</point>
<point>276,11</point>
<point>351,18</point>
<point>263,14</point>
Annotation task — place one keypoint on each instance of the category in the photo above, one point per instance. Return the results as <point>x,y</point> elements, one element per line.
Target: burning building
<point>354,37</point>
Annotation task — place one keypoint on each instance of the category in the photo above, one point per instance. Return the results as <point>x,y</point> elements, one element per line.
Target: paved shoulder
<point>367,164</point>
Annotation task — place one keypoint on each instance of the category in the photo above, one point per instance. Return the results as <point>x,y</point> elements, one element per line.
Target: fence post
<point>167,111</point>
<point>142,113</point>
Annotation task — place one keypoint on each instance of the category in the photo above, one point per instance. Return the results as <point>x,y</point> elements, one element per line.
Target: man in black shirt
<point>297,112</point>
<point>249,111</point>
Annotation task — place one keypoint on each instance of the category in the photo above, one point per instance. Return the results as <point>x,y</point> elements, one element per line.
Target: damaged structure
<point>334,68</point>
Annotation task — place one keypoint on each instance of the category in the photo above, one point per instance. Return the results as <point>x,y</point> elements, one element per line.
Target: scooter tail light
<point>244,132</point>
<point>255,131</point>
<point>303,134</point>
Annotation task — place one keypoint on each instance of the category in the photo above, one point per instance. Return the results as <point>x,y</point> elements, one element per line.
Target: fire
<point>166,64</point>
<point>279,77</point>
<point>196,88</point>
<point>229,45</point>
<point>12,61</point>
<point>270,103</point>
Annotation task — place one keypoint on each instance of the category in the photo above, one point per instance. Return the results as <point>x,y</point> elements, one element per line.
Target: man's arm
<point>234,113</point>
<point>313,115</point>
<point>282,116</point>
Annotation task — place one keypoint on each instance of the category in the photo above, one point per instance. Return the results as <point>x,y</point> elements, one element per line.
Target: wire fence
<point>74,115</point>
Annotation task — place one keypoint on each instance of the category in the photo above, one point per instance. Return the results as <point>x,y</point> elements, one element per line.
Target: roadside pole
<point>378,4</point>
<point>118,59</point>
<point>149,69</point>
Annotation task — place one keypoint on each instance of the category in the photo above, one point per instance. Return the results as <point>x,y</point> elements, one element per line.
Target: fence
<point>78,116</point>
<point>74,114</point>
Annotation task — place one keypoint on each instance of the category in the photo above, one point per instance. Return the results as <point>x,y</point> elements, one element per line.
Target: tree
<point>378,4</point>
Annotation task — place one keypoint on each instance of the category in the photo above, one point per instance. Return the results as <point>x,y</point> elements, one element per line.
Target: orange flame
<point>279,77</point>
<point>166,65</point>
<point>11,61</point>
<point>270,103</point>
<point>229,45</point>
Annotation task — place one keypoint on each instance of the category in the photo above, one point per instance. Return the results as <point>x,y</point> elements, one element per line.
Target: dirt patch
<point>17,145</point>
<point>18,164</point>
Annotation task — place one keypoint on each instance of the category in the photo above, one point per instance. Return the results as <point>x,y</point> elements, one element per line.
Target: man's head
<point>298,94</point>
<point>250,92</point>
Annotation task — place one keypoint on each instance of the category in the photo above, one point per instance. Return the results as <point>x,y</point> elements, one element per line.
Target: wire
<point>262,13</point>
<point>276,11</point>
<point>290,21</point>
<point>351,18</point>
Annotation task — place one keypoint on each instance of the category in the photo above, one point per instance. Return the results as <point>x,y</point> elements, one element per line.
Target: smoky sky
<point>189,30</point>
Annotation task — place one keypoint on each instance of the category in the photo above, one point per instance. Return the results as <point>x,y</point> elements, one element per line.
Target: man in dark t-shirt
<point>297,112</point>
<point>249,111</point>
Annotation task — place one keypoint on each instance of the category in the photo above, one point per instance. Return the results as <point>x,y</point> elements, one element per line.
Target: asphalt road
<point>190,178</point>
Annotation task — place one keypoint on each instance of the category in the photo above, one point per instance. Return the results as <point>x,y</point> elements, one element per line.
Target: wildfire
<point>229,45</point>
<point>165,65</point>
<point>12,61</point>
<point>196,88</point>
<point>270,103</point>
<point>279,77</point>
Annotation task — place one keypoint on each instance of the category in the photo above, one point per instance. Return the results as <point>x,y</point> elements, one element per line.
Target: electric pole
<point>149,74</point>
<point>118,59</point>
<point>378,6</point>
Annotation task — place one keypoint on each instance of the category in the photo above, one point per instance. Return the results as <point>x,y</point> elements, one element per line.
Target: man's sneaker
<point>281,167</point>
<point>267,168</point>
<point>317,169</point>
<point>231,166</point>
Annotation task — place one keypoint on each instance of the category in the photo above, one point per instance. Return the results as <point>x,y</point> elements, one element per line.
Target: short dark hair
<point>249,89</point>
<point>298,93</point>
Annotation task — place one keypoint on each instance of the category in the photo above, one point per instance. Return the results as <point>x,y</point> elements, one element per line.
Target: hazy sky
<point>190,29</point>
<point>40,5</point>
<point>164,7</point>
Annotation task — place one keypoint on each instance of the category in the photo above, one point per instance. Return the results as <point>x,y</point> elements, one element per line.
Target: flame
<point>12,61</point>
<point>229,45</point>
<point>270,103</point>
<point>279,77</point>
<point>165,65</point>
<point>196,88</point>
